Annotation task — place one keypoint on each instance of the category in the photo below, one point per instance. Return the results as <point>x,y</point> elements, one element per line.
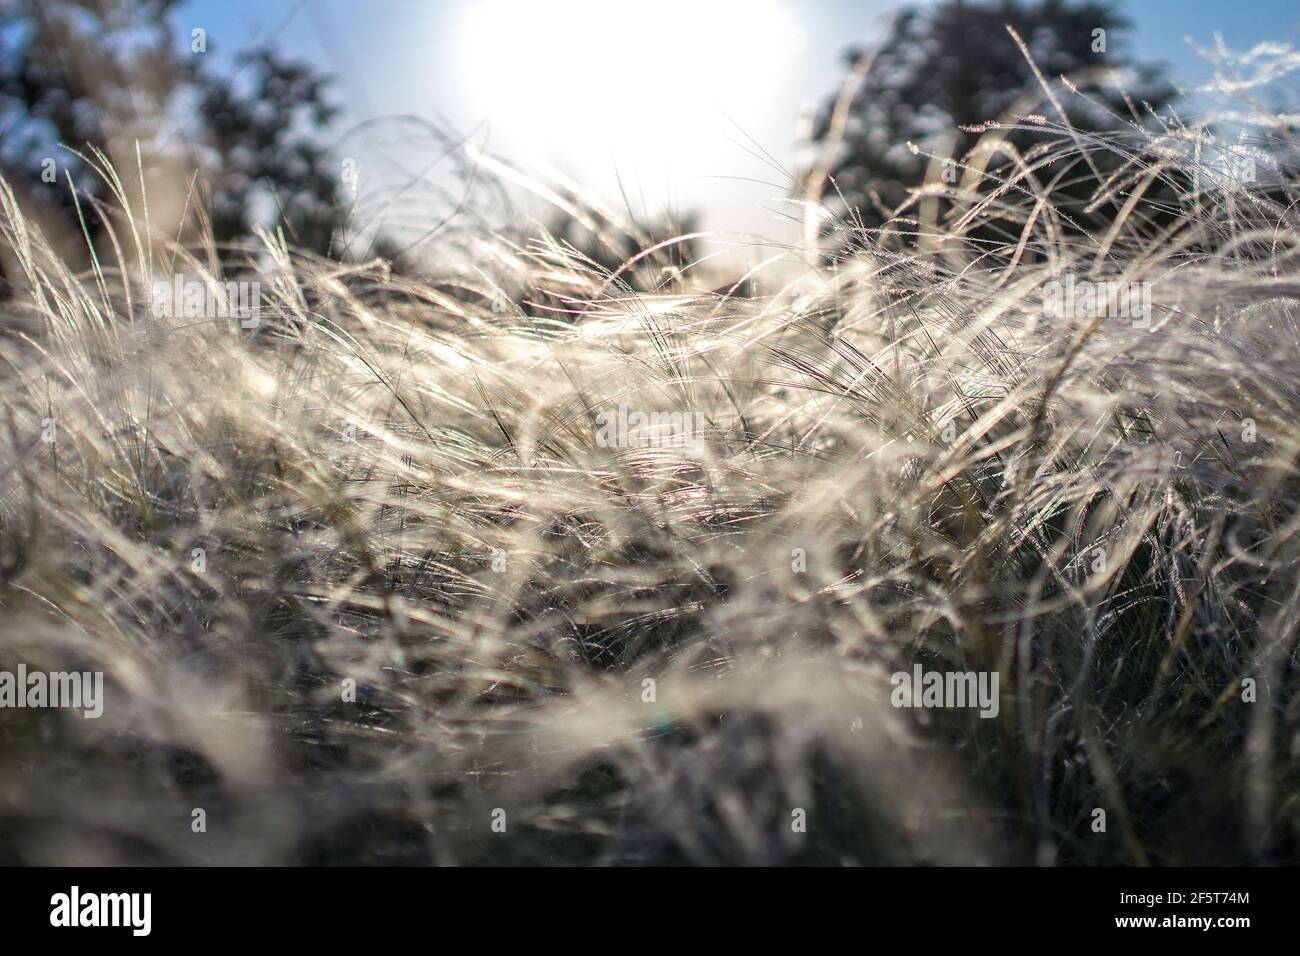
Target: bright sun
<point>580,81</point>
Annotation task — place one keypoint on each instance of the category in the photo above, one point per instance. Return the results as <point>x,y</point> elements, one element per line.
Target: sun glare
<point>579,81</point>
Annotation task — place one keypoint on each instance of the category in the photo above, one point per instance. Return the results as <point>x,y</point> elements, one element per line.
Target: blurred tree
<point>266,147</point>
<point>117,75</point>
<point>85,74</point>
<point>953,65</point>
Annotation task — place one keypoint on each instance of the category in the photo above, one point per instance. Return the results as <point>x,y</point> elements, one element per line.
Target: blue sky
<point>435,59</point>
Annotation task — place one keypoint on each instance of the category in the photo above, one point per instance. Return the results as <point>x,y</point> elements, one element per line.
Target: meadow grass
<point>364,580</point>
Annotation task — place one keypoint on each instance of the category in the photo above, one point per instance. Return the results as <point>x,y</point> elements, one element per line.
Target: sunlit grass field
<point>369,582</point>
